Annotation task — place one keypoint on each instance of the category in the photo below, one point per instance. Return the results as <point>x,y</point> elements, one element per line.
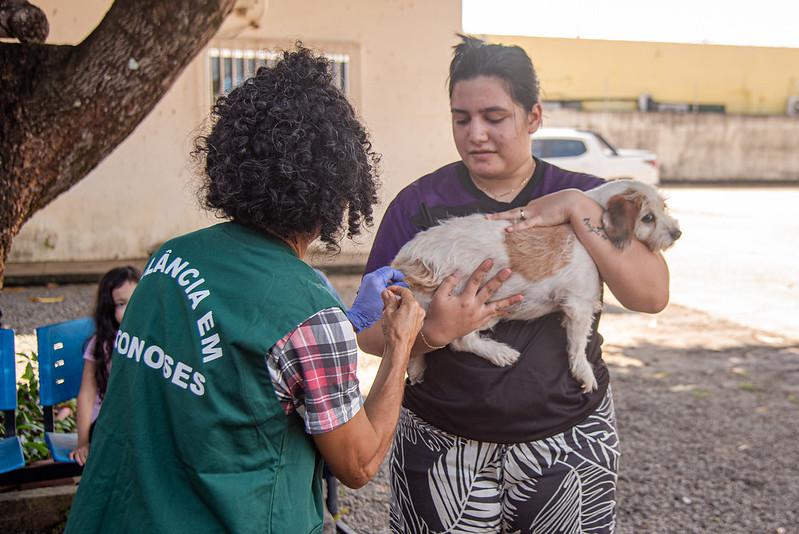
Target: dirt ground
<point>708,415</point>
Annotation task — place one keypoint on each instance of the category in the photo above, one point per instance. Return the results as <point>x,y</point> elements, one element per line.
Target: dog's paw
<point>495,352</point>
<point>582,371</point>
<point>416,367</point>
<point>589,384</point>
<point>503,356</point>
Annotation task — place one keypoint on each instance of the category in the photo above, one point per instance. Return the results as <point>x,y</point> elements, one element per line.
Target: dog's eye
<point>648,218</point>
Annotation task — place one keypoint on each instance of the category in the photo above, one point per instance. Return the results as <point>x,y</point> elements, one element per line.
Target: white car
<point>589,152</point>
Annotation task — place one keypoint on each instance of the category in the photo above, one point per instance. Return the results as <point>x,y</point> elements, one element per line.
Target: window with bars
<point>229,67</point>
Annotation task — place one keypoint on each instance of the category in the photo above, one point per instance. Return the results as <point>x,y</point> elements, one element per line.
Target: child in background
<point>113,294</point>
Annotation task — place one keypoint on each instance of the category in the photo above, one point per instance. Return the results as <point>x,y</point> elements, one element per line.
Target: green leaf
<point>28,374</point>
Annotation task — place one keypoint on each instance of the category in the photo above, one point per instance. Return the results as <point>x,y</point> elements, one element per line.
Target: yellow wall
<point>748,80</point>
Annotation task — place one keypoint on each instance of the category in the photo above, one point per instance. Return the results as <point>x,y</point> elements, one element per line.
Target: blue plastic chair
<point>61,347</point>
<point>10,447</point>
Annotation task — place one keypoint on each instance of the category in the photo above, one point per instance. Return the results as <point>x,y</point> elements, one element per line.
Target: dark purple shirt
<point>464,394</point>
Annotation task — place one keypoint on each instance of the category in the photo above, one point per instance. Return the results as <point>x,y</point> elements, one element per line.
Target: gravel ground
<point>23,312</point>
<point>708,415</point>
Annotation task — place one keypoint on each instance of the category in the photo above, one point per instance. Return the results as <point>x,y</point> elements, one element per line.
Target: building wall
<point>144,192</point>
<point>747,80</point>
<point>700,147</point>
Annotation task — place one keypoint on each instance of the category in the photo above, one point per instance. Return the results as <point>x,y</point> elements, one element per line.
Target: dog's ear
<point>620,217</point>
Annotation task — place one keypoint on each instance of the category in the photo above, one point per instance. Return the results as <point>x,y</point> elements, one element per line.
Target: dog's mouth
<point>664,243</point>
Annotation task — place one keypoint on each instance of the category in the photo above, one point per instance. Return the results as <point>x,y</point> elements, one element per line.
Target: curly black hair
<point>286,154</point>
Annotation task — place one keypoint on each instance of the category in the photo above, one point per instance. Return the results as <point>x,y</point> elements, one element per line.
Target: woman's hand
<point>368,306</point>
<point>80,454</point>
<point>637,277</point>
<point>355,450</point>
<point>452,316</point>
<point>402,319</point>
<point>549,210</point>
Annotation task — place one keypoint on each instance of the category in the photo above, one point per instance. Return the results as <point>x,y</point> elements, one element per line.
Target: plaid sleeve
<point>313,371</point>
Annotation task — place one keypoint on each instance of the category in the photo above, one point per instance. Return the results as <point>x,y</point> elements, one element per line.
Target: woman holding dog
<point>481,448</point>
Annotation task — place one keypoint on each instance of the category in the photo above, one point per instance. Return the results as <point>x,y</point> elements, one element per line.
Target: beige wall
<point>700,147</point>
<point>143,193</point>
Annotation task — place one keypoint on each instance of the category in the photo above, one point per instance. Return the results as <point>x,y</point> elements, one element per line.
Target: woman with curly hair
<point>234,368</point>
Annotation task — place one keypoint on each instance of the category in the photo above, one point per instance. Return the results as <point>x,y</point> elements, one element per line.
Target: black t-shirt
<point>464,394</point>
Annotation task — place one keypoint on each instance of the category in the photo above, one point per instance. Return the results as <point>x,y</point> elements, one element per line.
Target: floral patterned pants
<point>562,484</point>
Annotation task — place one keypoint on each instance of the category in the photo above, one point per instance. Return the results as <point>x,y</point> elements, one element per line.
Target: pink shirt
<point>88,354</point>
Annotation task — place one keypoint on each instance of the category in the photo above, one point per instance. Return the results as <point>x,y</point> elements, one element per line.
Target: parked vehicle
<point>589,152</point>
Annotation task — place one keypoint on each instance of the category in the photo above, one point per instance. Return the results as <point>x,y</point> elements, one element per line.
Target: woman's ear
<point>534,118</point>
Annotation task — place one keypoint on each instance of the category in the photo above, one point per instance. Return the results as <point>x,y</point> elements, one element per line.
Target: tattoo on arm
<point>598,230</point>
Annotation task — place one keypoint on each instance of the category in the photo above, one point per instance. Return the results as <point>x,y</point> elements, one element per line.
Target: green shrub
<point>30,417</point>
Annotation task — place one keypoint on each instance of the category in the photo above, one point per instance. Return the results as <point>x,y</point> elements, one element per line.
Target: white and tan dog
<point>550,268</point>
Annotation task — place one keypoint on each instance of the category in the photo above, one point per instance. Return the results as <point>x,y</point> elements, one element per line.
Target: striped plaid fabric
<point>313,371</point>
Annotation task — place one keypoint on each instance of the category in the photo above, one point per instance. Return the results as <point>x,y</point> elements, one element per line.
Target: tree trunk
<point>65,108</point>
<point>23,21</point>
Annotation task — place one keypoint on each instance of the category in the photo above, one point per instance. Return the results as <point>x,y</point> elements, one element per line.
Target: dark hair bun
<point>474,57</point>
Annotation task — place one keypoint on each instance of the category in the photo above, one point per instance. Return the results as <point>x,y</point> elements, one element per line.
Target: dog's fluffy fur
<point>550,268</point>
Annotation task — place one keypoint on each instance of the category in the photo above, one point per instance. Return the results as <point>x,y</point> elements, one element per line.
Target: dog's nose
<point>675,234</point>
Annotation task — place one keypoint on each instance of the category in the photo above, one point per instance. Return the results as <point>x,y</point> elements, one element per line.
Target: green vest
<point>191,437</point>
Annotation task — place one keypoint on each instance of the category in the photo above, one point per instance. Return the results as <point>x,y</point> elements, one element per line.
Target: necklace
<point>500,196</point>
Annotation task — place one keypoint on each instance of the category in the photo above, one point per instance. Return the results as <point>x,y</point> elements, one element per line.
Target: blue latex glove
<point>368,306</point>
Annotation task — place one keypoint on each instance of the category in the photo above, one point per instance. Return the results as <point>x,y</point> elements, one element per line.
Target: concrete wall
<point>400,51</point>
<point>746,79</point>
<point>700,147</point>
<point>143,193</point>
